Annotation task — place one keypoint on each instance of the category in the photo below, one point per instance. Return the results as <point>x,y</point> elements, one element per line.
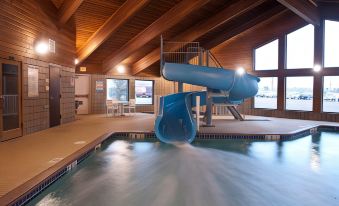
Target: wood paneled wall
<point>238,52</point>
<point>22,24</point>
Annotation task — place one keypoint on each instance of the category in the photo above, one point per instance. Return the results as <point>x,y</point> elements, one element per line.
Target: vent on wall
<point>51,45</point>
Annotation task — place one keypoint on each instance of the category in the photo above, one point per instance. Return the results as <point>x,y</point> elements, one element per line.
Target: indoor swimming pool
<point>209,172</point>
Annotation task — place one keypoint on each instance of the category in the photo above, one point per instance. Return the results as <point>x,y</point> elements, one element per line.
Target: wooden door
<point>11,117</point>
<point>54,96</point>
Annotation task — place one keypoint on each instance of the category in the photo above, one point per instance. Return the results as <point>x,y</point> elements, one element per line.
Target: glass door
<point>10,99</point>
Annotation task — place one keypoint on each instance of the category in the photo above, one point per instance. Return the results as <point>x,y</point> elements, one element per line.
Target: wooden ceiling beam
<point>261,18</point>
<point>67,9</point>
<point>121,16</point>
<point>229,13</point>
<point>305,9</point>
<point>166,21</point>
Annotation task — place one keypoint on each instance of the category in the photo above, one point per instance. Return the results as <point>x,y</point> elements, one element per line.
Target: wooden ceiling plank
<point>263,17</point>
<point>305,9</point>
<point>67,9</point>
<point>229,13</point>
<point>121,16</point>
<point>166,21</point>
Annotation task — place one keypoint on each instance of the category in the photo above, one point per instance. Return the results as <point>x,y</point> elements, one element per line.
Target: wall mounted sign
<point>33,81</point>
<point>83,69</point>
<point>99,86</point>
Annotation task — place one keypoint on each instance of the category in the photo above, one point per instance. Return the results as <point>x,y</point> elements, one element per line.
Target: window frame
<point>314,49</point>
<point>153,83</point>
<point>323,42</point>
<point>322,93</point>
<point>128,92</point>
<point>254,56</point>
<point>285,93</point>
<point>253,104</point>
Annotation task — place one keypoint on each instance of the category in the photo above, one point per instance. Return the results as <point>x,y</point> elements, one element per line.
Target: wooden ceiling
<point>113,32</point>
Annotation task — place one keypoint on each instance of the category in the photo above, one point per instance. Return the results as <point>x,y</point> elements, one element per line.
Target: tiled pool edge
<point>68,165</point>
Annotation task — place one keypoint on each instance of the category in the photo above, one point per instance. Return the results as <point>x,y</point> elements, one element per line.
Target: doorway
<point>10,99</point>
<point>82,93</point>
<point>54,96</point>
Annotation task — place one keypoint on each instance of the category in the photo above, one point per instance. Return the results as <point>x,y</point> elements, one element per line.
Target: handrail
<point>215,59</point>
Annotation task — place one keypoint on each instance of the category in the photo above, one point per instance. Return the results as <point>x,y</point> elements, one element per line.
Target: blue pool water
<point>207,173</point>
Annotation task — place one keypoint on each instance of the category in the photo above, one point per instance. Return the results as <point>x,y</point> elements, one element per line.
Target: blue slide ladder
<point>187,62</point>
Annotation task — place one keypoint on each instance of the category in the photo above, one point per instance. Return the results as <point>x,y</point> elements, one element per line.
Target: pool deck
<point>28,160</point>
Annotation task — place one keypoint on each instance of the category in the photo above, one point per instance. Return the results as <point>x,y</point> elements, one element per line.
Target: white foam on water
<point>148,174</point>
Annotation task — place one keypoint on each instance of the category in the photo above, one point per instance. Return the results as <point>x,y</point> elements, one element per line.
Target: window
<point>331,94</point>
<point>266,57</point>
<point>267,94</point>
<point>331,44</point>
<point>117,89</point>
<point>299,93</point>
<point>143,92</point>
<point>300,48</point>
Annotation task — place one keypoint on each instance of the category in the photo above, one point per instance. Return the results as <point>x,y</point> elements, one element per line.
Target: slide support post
<point>197,111</point>
<point>180,87</point>
<point>208,113</point>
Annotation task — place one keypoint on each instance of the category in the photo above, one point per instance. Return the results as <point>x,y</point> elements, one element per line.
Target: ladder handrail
<point>215,59</point>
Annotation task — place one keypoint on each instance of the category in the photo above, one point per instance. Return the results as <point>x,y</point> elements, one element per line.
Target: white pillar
<point>197,111</point>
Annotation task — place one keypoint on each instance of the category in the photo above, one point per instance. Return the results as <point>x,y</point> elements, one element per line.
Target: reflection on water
<point>300,172</point>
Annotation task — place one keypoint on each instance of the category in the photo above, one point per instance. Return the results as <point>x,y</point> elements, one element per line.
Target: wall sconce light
<point>121,69</point>
<point>41,47</point>
<point>317,68</point>
<point>241,71</point>
<point>76,61</point>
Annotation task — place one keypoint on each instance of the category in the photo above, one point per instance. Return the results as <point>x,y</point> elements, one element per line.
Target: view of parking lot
<point>331,94</point>
<point>299,93</point>
<point>267,94</point>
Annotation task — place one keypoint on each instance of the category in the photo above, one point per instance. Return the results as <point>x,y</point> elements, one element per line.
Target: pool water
<point>207,173</point>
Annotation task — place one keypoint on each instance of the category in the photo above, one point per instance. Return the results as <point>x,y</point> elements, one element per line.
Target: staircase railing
<point>186,53</point>
<point>215,60</point>
<point>180,52</point>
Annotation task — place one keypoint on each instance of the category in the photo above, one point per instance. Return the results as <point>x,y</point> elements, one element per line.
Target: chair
<point>111,108</point>
<point>131,106</point>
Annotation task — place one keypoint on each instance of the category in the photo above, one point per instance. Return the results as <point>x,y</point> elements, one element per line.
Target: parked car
<point>305,97</point>
<point>293,95</point>
<point>330,97</point>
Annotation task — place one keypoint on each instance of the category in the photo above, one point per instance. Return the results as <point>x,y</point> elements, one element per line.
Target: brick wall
<point>67,90</point>
<point>35,109</point>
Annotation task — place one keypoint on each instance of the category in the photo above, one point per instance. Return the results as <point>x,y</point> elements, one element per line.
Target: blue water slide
<point>175,122</point>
